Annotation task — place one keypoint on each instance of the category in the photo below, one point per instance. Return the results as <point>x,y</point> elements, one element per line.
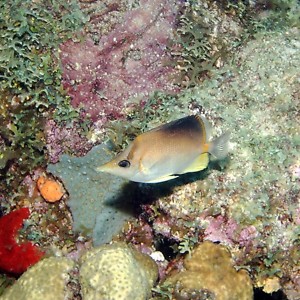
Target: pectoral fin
<point>142,168</point>
<point>198,164</point>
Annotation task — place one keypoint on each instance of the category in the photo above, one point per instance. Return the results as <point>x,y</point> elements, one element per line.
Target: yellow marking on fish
<point>198,164</point>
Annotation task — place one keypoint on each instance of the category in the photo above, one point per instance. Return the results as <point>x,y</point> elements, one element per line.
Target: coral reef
<point>209,271</point>
<point>204,36</point>
<point>209,32</point>
<point>98,202</point>
<point>276,15</point>
<point>16,258</point>
<point>30,77</point>
<point>238,61</point>
<point>45,280</point>
<point>249,202</point>
<point>125,65</point>
<point>117,271</point>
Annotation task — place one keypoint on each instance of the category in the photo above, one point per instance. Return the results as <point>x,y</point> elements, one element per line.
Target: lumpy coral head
<point>16,258</point>
<point>209,270</point>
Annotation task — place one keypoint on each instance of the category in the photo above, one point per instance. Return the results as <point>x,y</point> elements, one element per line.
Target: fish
<point>168,151</point>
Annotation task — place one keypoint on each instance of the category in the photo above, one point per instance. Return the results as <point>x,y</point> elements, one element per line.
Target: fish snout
<point>103,168</point>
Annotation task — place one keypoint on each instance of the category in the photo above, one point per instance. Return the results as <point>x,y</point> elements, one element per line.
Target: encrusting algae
<point>165,152</point>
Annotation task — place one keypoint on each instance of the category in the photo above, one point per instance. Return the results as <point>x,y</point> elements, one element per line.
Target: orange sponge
<point>50,189</point>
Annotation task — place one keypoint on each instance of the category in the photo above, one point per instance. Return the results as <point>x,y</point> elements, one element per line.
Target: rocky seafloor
<point>230,231</point>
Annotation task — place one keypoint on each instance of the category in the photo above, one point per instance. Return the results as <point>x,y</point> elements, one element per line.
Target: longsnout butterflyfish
<point>165,152</point>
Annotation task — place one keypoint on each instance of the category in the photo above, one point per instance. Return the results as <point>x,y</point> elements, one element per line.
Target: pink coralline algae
<point>221,230</point>
<point>16,258</point>
<point>247,236</point>
<point>228,232</point>
<point>297,216</point>
<point>62,139</point>
<point>128,64</point>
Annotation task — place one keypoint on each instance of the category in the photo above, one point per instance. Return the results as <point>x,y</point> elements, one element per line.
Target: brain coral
<point>117,272</point>
<point>209,271</point>
<point>42,281</point>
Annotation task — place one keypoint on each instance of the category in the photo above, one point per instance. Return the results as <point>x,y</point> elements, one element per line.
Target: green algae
<point>203,40</point>
<point>30,78</point>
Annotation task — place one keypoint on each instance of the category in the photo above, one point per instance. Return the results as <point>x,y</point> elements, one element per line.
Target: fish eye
<point>124,163</point>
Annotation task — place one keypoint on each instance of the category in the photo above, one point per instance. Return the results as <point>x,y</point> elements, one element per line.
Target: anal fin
<point>162,179</point>
<point>198,164</point>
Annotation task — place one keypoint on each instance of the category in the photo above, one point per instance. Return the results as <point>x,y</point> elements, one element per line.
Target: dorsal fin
<point>194,125</point>
<point>202,121</point>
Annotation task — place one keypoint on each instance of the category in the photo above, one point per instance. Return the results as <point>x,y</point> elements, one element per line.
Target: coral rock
<point>209,271</point>
<point>45,280</point>
<point>117,272</point>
